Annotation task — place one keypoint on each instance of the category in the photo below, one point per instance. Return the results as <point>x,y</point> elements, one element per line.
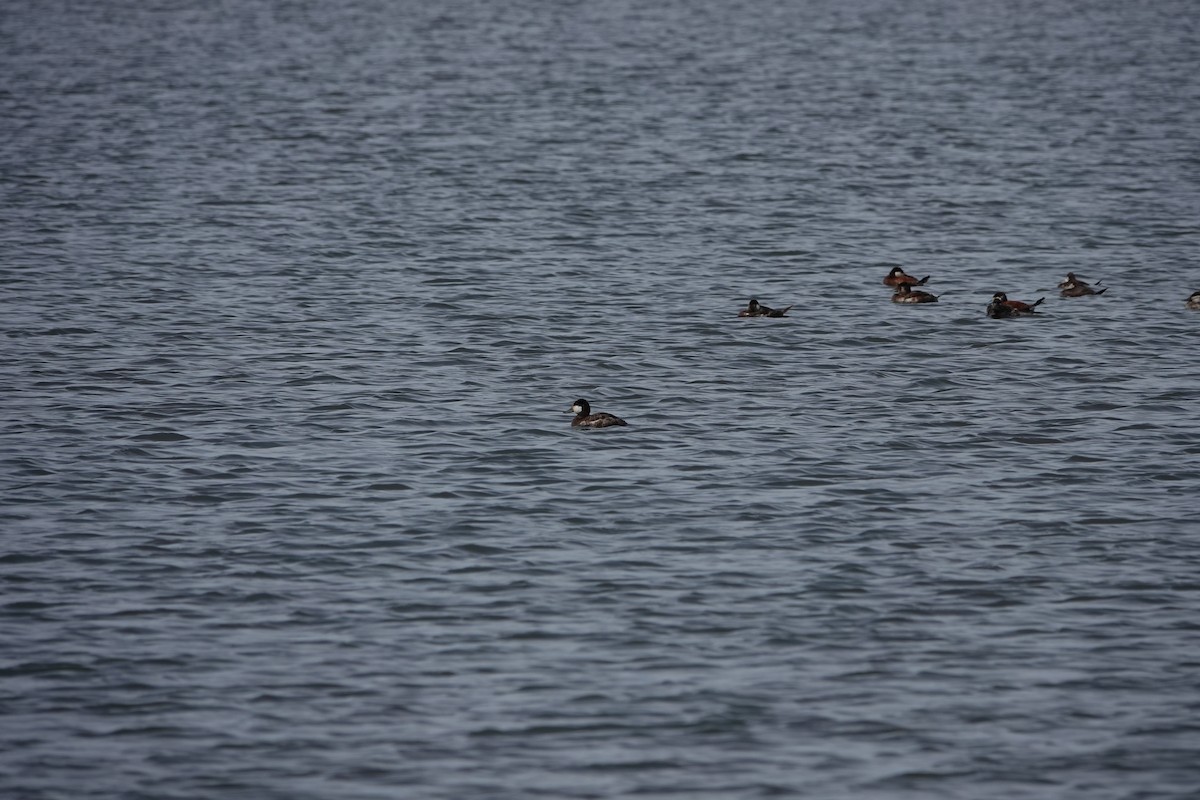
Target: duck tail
<point>1040,300</point>
<point>922,281</point>
<point>785,309</point>
<point>1101,291</point>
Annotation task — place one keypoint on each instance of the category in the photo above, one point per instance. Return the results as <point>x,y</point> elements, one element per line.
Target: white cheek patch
<point>577,409</point>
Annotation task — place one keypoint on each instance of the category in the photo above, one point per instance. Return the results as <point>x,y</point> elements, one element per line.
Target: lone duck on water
<point>584,418</point>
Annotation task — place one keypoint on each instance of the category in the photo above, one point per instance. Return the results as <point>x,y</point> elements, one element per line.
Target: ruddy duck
<point>1193,301</point>
<point>584,418</point>
<point>997,309</point>
<point>898,276</point>
<point>757,309</point>
<point>905,294</point>
<point>1072,288</point>
<point>1018,308</point>
<point>1073,280</point>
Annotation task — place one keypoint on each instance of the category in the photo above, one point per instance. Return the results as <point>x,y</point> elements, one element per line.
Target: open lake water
<point>294,296</point>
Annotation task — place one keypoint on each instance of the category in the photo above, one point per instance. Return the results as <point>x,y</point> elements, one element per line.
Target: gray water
<point>295,294</point>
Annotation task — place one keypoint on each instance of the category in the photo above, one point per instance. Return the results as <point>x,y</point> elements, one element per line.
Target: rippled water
<point>295,296</point>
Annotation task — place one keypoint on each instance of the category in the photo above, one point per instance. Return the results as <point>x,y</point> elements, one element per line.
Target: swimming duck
<point>898,276</point>
<point>584,418</point>
<point>1073,280</point>
<point>998,309</point>
<point>1193,301</point>
<point>757,309</point>
<point>1018,308</point>
<point>1074,288</point>
<point>905,294</point>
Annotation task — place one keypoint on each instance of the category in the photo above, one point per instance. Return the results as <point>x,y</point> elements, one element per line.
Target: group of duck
<point>1000,307</point>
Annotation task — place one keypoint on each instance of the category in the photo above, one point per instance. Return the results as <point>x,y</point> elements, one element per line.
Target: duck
<point>1075,288</point>
<point>1193,301</point>
<point>757,309</point>
<point>905,294</point>
<point>1073,280</point>
<point>1018,308</point>
<point>898,276</point>
<point>584,418</point>
<point>998,309</point>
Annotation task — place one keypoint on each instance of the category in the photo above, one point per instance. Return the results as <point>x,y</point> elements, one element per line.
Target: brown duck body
<point>999,310</point>
<point>757,309</point>
<point>898,276</point>
<point>1072,280</point>
<point>1080,290</point>
<point>1018,308</point>
<point>905,294</point>
<point>584,418</point>
<point>1074,286</point>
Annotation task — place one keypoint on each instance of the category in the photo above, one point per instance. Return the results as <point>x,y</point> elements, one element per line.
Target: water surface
<point>294,299</point>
